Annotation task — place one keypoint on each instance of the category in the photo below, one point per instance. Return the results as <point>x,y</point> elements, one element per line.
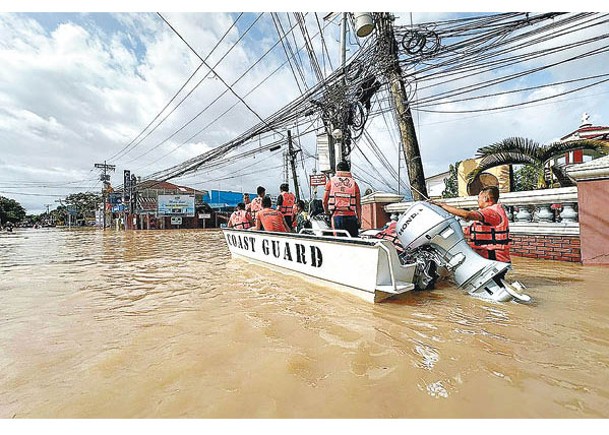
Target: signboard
<point>204,215</point>
<point>118,208</point>
<point>318,180</point>
<point>176,205</point>
<point>176,220</point>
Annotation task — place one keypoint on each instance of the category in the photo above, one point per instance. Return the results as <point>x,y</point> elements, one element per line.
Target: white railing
<point>542,212</point>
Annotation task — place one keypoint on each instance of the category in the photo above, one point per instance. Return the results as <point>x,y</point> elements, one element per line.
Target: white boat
<point>370,268</point>
<point>367,268</point>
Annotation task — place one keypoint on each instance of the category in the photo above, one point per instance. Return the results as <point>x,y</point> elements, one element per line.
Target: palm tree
<point>519,150</point>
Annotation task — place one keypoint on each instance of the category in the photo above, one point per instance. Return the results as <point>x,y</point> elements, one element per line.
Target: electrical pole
<point>410,144</point>
<point>292,155</point>
<point>105,178</point>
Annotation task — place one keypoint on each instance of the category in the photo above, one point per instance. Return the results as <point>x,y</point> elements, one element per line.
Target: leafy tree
<point>85,203</point>
<point>10,211</point>
<point>518,150</point>
<point>451,183</point>
<point>527,178</point>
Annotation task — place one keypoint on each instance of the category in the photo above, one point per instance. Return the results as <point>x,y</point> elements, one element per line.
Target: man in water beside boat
<point>342,200</point>
<point>269,219</point>
<point>489,233</point>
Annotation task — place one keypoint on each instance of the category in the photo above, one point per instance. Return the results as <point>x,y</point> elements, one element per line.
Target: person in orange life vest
<point>285,203</point>
<point>241,218</point>
<point>342,200</point>
<point>256,205</point>
<point>489,234</point>
<point>269,219</point>
<point>246,199</point>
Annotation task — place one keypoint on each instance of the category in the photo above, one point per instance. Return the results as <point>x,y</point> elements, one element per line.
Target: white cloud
<point>76,91</point>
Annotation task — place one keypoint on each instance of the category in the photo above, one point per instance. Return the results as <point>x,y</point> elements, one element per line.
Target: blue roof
<point>223,198</point>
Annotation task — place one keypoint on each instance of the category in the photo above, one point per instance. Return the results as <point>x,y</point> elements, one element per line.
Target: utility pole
<point>292,155</point>
<point>410,144</point>
<point>105,178</point>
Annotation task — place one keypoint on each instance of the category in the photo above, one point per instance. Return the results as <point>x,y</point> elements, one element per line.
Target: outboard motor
<point>424,226</point>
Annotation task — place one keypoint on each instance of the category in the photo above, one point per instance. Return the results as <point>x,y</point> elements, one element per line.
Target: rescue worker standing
<point>270,220</point>
<point>256,205</point>
<point>343,201</point>
<point>241,218</point>
<point>489,235</point>
<point>285,203</point>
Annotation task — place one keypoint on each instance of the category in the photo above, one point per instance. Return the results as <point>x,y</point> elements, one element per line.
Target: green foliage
<point>518,150</point>
<point>451,183</point>
<point>527,178</point>
<point>10,211</point>
<point>85,204</point>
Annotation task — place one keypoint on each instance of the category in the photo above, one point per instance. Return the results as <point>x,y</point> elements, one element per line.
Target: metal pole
<point>292,154</point>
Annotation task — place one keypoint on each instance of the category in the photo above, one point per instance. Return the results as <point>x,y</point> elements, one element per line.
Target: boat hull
<point>369,269</point>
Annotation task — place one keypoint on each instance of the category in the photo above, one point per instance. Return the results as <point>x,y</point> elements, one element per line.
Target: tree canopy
<point>10,211</point>
<point>518,150</point>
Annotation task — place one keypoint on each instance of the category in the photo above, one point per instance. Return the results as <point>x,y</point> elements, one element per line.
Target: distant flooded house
<point>164,205</point>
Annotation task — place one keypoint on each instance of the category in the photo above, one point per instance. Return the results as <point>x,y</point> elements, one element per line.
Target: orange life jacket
<point>491,237</point>
<point>342,195</point>
<point>287,204</point>
<point>271,220</point>
<point>239,220</point>
<point>255,206</point>
<point>390,234</point>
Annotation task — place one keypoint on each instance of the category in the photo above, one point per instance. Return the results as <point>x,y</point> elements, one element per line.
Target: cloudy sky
<point>80,88</point>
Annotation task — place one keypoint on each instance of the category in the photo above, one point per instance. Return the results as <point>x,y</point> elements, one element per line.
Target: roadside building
<point>164,205</point>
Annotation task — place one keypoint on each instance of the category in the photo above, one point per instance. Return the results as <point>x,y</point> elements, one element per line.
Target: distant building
<point>585,131</point>
<point>225,200</point>
<point>164,205</point>
<point>436,185</point>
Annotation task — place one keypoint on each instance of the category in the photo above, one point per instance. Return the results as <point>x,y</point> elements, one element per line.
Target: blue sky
<point>76,88</point>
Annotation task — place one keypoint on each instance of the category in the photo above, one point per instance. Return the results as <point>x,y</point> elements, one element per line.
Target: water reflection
<point>180,329</point>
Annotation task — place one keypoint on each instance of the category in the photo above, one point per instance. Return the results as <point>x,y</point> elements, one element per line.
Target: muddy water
<point>165,324</point>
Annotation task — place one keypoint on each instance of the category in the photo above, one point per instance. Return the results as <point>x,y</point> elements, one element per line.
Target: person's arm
<point>358,204</point>
<point>249,219</point>
<point>327,197</point>
<point>468,215</point>
<point>258,224</point>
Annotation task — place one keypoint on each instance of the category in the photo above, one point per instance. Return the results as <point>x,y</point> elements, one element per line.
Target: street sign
<point>176,220</point>
<point>317,180</point>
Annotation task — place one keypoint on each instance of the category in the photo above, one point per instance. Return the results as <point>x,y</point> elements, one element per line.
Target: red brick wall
<point>561,248</point>
<point>374,215</point>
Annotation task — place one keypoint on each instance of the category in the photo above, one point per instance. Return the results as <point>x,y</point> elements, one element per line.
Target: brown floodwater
<point>164,324</point>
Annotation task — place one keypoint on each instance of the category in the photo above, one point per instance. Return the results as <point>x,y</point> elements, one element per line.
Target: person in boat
<point>285,203</point>
<point>342,200</point>
<point>269,219</point>
<point>302,219</point>
<point>246,199</point>
<point>241,218</point>
<point>489,234</point>
<point>256,205</point>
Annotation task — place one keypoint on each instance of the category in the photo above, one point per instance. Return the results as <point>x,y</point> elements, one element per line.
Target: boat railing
<point>323,231</point>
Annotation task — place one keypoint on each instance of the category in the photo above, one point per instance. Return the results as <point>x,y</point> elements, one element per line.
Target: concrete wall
<point>593,199</point>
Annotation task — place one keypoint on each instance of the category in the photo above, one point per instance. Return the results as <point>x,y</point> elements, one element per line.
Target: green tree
<point>527,178</point>
<point>451,183</point>
<point>85,203</point>
<point>10,211</point>
<point>518,150</point>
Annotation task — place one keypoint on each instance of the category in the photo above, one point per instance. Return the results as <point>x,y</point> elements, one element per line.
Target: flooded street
<point>165,324</point>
